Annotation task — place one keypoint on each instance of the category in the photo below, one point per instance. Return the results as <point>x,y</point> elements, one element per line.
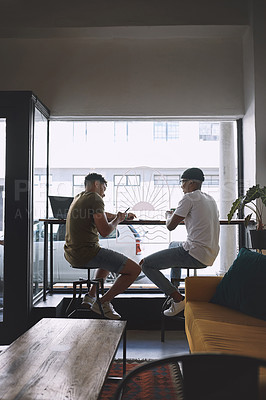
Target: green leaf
<point>235,206</point>
<point>247,219</point>
<point>263,195</point>
<point>252,194</point>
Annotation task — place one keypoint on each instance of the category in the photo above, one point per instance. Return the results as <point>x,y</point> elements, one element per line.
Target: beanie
<point>193,173</point>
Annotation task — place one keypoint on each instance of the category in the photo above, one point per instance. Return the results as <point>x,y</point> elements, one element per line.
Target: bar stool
<point>166,303</point>
<point>73,307</point>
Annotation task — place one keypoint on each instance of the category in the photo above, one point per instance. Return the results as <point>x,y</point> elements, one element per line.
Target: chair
<point>166,305</point>
<point>198,376</point>
<point>73,307</point>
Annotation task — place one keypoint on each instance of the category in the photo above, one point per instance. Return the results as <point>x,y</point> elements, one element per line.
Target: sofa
<point>212,327</point>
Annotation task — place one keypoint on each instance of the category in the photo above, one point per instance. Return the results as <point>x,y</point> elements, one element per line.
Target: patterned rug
<point>161,382</point>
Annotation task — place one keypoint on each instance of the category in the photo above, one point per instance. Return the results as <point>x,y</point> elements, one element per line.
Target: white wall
<point>132,72</point>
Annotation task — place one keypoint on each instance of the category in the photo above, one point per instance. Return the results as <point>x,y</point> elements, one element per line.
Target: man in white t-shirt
<point>199,212</point>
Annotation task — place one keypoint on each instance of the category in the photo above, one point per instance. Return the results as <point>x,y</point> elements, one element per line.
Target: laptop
<point>60,206</point>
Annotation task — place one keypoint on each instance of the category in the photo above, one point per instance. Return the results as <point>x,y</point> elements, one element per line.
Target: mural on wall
<point>148,196</point>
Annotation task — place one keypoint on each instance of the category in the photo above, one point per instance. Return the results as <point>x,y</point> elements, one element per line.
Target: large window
<point>142,161</point>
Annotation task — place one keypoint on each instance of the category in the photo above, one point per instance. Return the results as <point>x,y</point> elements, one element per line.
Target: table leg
<point>45,260</point>
<point>51,259</point>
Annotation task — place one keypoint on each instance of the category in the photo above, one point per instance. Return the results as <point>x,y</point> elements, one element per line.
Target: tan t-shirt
<point>82,240</point>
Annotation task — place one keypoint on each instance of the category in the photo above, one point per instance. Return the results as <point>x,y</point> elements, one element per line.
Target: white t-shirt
<point>202,224</point>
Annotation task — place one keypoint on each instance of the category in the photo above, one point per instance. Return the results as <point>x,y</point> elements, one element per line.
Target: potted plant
<point>255,200</point>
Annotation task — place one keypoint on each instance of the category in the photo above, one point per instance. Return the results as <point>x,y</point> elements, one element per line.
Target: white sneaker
<point>108,310</point>
<point>87,301</point>
<point>175,308</point>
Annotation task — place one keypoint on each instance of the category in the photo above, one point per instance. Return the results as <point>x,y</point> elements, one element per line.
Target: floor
<point>147,345</point>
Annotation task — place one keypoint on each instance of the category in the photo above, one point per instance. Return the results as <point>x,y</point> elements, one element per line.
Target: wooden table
<point>60,359</point>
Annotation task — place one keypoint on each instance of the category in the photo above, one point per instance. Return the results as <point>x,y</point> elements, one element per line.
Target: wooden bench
<point>61,358</point>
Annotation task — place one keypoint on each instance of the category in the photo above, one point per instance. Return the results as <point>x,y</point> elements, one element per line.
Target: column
<point>228,241</point>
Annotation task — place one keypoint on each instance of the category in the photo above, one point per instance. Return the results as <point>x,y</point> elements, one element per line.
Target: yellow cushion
<point>228,338</point>
<point>214,312</point>
<point>201,288</point>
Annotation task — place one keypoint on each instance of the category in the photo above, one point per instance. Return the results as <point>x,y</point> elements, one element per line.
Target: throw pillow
<point>243,287</point>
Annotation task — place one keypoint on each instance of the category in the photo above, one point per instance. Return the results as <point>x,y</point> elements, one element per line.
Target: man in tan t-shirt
<point>85,219</point>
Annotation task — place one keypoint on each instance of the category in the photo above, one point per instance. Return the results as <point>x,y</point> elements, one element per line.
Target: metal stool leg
<point>72,302</point>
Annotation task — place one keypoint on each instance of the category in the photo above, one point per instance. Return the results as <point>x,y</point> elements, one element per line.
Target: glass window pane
<point>2,209</point>
<point>39,198</point>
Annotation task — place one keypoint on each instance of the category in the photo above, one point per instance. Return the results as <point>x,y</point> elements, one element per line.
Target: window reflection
<point>39,198</point>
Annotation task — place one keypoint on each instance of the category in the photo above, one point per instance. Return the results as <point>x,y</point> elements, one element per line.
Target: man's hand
<point>130,216</point>
<point>168,214</point>
<point>120,216</point>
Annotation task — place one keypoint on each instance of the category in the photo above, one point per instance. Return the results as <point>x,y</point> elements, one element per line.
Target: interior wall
<point>259,35</point>
<point>128,76</point>
<point>259,32</point>
<point>255,96</point>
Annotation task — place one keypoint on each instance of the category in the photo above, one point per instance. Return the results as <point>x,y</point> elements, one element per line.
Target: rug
<point>161,382</point>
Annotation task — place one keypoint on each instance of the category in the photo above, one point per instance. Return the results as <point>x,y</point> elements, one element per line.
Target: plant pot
<point>258,239</point>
